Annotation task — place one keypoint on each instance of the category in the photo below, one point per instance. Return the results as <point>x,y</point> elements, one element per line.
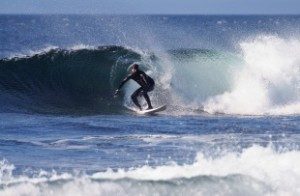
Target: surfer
<point>145,81</point>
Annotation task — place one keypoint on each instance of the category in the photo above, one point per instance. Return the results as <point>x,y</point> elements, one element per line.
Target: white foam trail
<point>268,83</point>
<point>255,171</point>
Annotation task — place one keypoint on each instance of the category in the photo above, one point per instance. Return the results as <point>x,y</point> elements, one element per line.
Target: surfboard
<point>152,111</point>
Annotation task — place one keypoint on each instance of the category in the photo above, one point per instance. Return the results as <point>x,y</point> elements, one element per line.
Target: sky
<point>149,6</point>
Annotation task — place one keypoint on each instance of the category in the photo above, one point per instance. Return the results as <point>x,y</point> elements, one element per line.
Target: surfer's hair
<point>135,66</point>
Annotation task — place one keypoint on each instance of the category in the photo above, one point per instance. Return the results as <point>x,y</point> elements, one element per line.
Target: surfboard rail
<point>154,110</point>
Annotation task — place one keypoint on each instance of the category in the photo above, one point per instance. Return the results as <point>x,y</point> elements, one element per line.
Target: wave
<point>230,174</point>
<point>61,80</point>
<point>262,79</point>
<point>81,79</point>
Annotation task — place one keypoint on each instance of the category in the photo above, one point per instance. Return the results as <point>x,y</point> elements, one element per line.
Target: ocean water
<point>231,85</point>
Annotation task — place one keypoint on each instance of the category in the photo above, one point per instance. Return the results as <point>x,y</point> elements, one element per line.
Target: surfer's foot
<point>149,108</point>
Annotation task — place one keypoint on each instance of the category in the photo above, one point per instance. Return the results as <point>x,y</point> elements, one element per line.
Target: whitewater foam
<point>268,83</point>
<point>256,170</point>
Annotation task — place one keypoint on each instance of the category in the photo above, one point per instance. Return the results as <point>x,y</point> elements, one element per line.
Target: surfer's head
<point>134,67</point>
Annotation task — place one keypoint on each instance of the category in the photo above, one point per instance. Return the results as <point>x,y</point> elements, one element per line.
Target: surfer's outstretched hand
<point>116,93</point>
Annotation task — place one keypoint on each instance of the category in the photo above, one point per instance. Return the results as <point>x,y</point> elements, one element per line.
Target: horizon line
<point>154,14</point>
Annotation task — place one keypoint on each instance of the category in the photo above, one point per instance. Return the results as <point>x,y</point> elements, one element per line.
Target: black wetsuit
<point>147,84</point>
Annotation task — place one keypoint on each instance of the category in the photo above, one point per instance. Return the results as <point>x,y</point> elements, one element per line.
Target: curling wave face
<point>64,80</point>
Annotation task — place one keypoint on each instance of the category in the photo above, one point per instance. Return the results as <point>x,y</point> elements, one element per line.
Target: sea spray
<point>268,82</point>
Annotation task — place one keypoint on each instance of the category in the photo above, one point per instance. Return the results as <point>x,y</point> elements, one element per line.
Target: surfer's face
<point>133,70</point>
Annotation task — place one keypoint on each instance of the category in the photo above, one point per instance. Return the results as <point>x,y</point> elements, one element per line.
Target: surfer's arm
<point>124,81</point>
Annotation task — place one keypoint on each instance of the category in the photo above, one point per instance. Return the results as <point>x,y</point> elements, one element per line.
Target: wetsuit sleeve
<point>124,81</point>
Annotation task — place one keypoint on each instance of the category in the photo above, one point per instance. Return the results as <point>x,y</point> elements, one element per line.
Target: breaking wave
<point>267,83</point>
<point>262,79</point>
<point>231,174</point>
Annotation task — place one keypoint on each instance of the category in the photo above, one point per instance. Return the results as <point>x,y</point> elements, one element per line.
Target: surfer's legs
<point>142,91</point>
<point>145,94</point>
<point>134,97</point>
<point>147,100</point>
